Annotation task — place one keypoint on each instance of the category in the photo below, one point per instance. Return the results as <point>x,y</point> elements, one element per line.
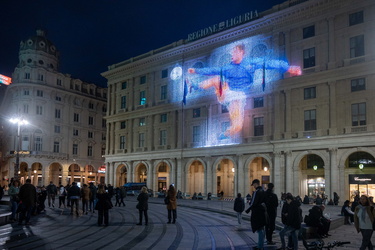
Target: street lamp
<point>19,122</point>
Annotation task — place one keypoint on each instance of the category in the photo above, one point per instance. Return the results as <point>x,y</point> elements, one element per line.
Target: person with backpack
<point>272,202</point>
<point>293,221</point>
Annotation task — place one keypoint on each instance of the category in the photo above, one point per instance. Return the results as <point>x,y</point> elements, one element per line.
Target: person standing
<point>142,205</point>
<point>103,205</point>
<point>272,202</point>
<point>92,202</point>
<point>258,212</point>
<point>62,194</point>
<point>336,198</point>
<point>292,223</point>
<point>51,193</point>
<point>13,192</point>
<point>28,200</point>
<point>172,205</point>
<point>364,217</point>
<point>348,213</point>
<point>239,207</point>
<point>122,196</point>
<point>85,194</point>
<point>74,194</point>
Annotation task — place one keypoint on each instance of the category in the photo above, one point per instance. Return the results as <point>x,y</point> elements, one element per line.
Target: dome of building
<point>39,42</point>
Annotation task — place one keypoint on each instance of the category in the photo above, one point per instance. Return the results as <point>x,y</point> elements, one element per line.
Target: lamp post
<point>19,122</point>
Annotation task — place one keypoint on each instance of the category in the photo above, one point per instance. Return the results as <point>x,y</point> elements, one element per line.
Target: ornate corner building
<point>284,96</point>
<point>64,140</point>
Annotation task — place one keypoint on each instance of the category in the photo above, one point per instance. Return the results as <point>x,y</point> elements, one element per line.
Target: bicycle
<point>319,244</point>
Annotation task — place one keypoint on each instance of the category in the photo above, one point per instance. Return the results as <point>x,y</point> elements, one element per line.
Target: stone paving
<point>213,220</point>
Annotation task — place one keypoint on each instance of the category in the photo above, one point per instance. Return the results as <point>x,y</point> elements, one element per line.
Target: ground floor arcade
<point>346,171</point>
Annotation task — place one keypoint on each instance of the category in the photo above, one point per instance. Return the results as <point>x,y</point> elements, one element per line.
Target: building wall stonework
<point>318,111</point>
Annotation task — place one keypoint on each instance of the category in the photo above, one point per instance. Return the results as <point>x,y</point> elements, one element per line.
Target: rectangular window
<point>196,133</point>
<point>39,110</point>
<point>104,137</point>
<point>357,46</point>
<point>358,84</point>
<point>309,58</point>
<point>124,85</point>
<point>38,143</point>
<point>258,126</point>
<point>122,142</point>
<point>309,93</point>
<point>75,149</point>
<point>359,114</point>
<point>163,118</point>
<point>104,123</point>
<point>142,97</point>
<point>258,102</point>
<point>90,134</point>
<point>224,109</point>
<point>26,108</point>
<point>163,92</point>
<point>75,132</point>
<point>57,129</point>
<point>141,140</point>
<point>89,150</point>
<point>163,137</point>
<point>26,92</point>
<point>123,102</point>
<point>309,31</point>
<point>142,121</point>
<point>27,75</point>
<point>196,113</point>
<point>91,105</point>
<point>56,147</point>
<point>91,120</point>
<point>76,117</point>
<point>310,120</point>
<point>57,113</point>
<point>164,73</point>
<point>39,93</point>
<point>58,82</point>
<point>58,98</point>
<point>25,143</point>
<point>40,77</point>
<point>224,128</point>
<point>123,125</point>
<point>142,80</point>
<point>356,18</point>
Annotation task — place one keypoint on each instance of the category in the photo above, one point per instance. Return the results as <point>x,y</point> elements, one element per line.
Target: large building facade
<point>284,96</point>
<point>65,138</point>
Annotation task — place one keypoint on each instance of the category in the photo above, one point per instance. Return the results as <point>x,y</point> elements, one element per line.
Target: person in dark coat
<point>347,213</point>
<point>239,207</point>
<point>336,198</point>
<point>306,200</point>
<point>172,205</point>
<point>28,200</point>
<point>272,202</point>
<point>142,205</point>
<point>103,205</point>
<point>74,194</point>
<point>92,202</point>
<point>258,212</point>
<point>318,200</point>
<point>292,221</point>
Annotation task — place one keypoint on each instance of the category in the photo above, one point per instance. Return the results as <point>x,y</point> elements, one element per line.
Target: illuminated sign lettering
<point>223,25</point>
<point>5,80</point>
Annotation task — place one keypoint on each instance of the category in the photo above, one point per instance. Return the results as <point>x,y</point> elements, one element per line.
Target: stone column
<point>239,177</point>
<point>278,173</point>
<point>334,187</point>
<point>289,175</point>
<point>331,43</point>
<point>209,176</point>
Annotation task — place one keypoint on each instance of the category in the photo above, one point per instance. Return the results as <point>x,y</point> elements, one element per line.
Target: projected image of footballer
<point>232,80</point>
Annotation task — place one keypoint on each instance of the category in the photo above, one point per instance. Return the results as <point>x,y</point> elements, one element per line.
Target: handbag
<point>166,200</point>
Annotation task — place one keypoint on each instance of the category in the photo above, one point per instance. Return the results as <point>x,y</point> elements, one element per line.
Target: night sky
<point>93,34</point>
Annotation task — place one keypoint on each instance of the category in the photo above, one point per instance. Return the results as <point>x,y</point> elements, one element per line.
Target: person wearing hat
<point>258,212</point>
